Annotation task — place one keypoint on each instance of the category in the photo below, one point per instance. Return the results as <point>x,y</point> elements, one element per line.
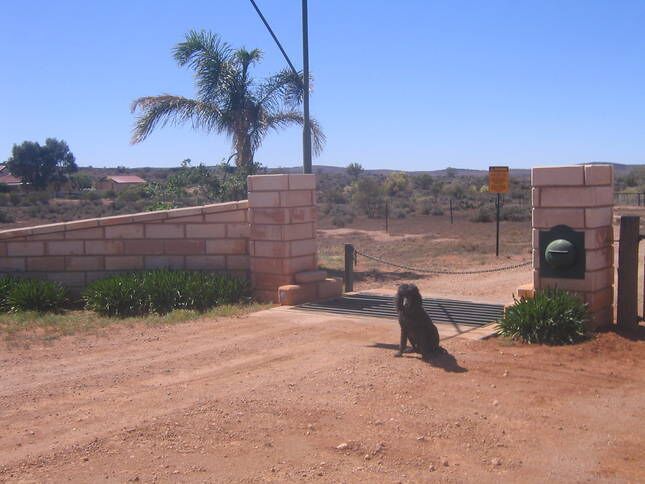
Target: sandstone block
<point>238,231</point>
<point>599,259</point>
<point>302,214</point>
<point>302,181</point>
<point>270,281</point>
<point>293,294</point>
<point>265,232</point>
<point>329,288</point>
<point>164,231</point>
<point>599,175</point>
<point>310,276</point>
<point>264,199</point>
<point>263,183</point>
<point>84,234</point>
<point>127,231</point>
<point>12,264</point>
<point>299,231</point>
<point>222,217</point>
<point>237,262</point>
<point>124,263</point>
<point>205,262</point>
<point>164,262</point>
<point>84,263</point>
<point>227,246</point>
<point>67,247</point>
<point>264,295</point>
<point>525,291</point>
<point>595,196</point>
<point>598,217</point>
<point>269,248</point>
<point>546,218</point>
<point>269,215</point>
<point>303,247</point>
<point>535,197</point>
<point>299,264</point>
<point>67,279</point>
<point>107,247</point>
<point>296,198</point>
<point>50,263</point>
<point>557,176</point>
<point>184,247</point>
<point>25,248</point>
<point>143,247</point>
<point>207,230</point>
<point>599,238</point>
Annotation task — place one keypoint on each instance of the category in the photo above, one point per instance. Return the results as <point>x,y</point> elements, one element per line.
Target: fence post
<point>451,210</point>
<point>349,268</point>
<point>387,216</point>
<point>627,312</point>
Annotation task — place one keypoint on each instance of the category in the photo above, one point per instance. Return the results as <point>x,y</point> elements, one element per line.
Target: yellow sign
<point>498,179</point>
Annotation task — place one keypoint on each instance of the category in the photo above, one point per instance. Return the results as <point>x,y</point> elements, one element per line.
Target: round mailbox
<point>560,254</point>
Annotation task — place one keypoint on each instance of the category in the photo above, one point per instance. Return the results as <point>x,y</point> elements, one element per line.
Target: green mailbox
<point>562,253</point>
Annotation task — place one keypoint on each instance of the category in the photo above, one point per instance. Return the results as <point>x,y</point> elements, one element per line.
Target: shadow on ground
<point>443,360</point>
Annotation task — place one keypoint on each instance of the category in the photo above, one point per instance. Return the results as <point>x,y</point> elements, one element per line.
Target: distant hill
<point>154,173</point>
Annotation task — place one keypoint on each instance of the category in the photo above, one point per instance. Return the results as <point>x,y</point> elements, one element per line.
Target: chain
<point>438,271</point>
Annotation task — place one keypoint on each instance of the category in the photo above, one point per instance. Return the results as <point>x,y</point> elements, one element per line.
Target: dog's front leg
<point>403,343</point>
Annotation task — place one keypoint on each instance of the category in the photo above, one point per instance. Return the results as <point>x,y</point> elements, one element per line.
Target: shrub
<point>340,215</point>
<point>6,218</point>
<point>516,214</point>
<point>484,215</point>
<point>162,291</point>
<point>553,317</point>
<point>31,295</point>
<point>6,283</point>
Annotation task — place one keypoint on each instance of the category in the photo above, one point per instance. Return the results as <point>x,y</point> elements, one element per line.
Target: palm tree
<point>228,99</point>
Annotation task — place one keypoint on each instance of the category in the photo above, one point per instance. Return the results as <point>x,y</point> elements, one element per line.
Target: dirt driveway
<point>310,397</point>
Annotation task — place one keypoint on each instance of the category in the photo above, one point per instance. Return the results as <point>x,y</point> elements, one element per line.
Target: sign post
<point>498,181</point>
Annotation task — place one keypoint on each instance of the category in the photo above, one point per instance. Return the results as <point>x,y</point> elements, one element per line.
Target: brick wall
<point>282,242</point>
<point>582,198</point>
<point>210,237</point>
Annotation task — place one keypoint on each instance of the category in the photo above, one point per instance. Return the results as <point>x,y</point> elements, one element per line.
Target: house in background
<point>7,179</point>
<point>118,183</point>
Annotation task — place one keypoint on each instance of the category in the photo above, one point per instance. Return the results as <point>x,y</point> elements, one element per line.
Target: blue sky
<point>410,84</point>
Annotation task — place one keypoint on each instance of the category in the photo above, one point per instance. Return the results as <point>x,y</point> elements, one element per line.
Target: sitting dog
<point>415,323</point>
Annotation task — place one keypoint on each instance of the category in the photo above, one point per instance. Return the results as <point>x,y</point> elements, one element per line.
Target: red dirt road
<point>265,399</point>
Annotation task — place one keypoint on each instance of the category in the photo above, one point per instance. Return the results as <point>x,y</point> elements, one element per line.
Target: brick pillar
<point>581,197</point>
<point>282,241</point>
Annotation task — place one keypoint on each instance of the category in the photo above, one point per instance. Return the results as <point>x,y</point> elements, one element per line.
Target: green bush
<point>6,283</point>
<point>6,218</point>
<point>31,295</point>
<point>162,291</point>
<point>484,214</point>
<point>552,317</point>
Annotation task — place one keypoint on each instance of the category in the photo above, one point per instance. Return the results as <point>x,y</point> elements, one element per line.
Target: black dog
<point>415,323</point>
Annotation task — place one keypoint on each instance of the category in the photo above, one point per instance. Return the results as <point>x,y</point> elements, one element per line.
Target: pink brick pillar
<point>581,197</point>
<point>282,242</point>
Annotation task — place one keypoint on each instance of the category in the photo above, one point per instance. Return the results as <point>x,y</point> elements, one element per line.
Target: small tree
<point>354,170</point>
<point>40,165</point>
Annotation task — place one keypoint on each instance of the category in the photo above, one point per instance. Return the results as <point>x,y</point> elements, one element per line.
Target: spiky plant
<point>229,100</point>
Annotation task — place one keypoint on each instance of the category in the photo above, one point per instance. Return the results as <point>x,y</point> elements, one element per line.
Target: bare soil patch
<point>270,398</point>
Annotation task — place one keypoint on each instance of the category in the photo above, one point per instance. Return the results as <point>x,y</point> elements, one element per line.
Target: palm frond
<point>247,58</point>
<point>280,120</point>
<point>167,109</point>
<point>285,86</point>
<point>210,58</point>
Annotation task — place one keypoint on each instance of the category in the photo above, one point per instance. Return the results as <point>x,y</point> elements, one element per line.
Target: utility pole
<point>306,125</point>
<point>306,129</point>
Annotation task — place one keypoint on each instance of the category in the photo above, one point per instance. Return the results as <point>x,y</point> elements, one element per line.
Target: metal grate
<point>447,311</point>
